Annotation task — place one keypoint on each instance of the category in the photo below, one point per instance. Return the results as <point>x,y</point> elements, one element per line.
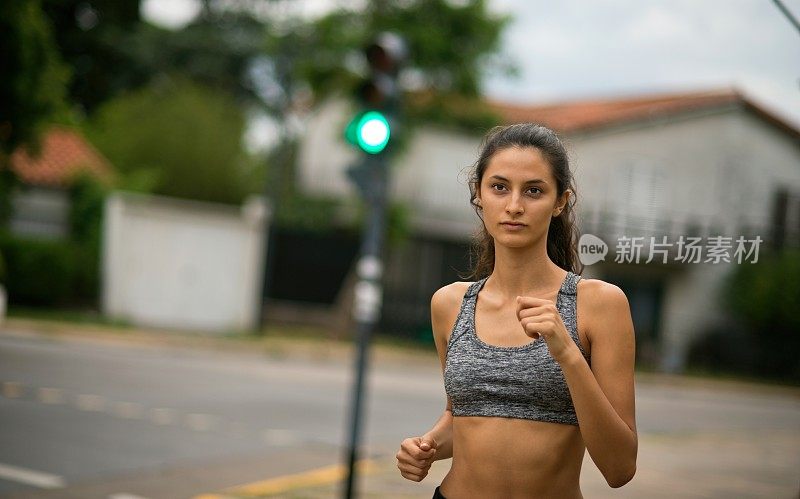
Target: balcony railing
<point>633,239</point>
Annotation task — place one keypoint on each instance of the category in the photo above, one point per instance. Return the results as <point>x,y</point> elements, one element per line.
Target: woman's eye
<point>498,187</point>
<point>535,190</point>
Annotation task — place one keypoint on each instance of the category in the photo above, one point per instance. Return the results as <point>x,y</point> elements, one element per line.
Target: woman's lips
<point>513,225</point>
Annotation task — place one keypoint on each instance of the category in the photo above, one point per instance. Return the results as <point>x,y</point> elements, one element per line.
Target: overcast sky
<point>575,49</point>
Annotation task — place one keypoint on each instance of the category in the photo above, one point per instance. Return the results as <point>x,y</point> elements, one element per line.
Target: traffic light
<point>370,131</point>
<point>378,95</point>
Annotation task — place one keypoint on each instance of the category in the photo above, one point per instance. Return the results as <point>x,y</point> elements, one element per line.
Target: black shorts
<point>437,494</point>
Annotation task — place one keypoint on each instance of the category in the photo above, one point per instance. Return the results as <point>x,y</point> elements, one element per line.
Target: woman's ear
<point>565,198</point>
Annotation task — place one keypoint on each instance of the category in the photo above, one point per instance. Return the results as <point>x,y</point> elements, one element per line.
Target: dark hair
<point>562,236</point>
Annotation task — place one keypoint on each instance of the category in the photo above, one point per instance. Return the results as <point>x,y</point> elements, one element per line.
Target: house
<point>40,207</point>
<point>653,173</point>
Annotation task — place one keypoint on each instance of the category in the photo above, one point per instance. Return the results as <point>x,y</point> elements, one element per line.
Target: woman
<point>538,362</point>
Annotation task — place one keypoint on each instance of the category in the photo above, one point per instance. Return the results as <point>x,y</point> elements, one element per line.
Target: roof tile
<point>64,153</point>
<point>576,116</point>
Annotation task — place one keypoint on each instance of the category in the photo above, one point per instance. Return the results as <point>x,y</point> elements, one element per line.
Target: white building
<point>668,166</point>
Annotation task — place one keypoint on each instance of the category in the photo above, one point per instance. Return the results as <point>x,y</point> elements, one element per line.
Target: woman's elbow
<point>621,477</point>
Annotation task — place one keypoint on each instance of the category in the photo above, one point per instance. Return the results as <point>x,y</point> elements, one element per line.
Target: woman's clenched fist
<point>415,457</point>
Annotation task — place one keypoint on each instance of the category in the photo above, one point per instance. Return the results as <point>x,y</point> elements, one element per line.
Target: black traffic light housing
<point>378,95</point>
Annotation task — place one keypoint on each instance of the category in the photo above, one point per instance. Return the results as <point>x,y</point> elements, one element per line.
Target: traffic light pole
<point>371,131</point>
<point>368,292</point>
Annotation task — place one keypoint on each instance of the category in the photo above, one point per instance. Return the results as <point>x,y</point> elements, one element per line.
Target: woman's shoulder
<point>600,293</point>
<point>604,304</point>
<point>450,295</point>
<point>446,302</point>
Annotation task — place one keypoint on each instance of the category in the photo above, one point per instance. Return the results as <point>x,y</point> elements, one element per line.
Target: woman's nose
<point>514,205</point>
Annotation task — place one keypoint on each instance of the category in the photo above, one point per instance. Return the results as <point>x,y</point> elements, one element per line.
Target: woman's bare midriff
<point>514,458</point>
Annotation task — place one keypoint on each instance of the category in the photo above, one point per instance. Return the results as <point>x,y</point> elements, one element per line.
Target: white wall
<point>181,264</point>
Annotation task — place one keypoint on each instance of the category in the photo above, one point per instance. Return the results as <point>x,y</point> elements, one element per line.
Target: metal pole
<point>273,191</point>
<point>367,302</point>
<point>273,187</point>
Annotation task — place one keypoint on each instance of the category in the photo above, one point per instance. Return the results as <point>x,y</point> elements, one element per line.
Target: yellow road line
<point>311,478</point>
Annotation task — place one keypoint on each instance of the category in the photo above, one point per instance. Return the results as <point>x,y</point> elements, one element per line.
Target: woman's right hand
<point>415,457</point>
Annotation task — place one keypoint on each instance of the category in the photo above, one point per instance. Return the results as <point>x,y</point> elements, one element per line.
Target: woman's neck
<point>523,272</point>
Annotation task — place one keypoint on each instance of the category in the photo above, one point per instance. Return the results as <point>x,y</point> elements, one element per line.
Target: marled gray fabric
<point>514,382</point>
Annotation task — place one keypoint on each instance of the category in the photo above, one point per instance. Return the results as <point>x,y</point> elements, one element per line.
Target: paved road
<point>84,417</point>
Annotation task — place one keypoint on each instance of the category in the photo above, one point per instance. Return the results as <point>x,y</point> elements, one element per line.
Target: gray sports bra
<point>521,382</point>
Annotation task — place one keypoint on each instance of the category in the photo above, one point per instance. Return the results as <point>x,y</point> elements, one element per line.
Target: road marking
<point>91,403</point>
<point>162,415</point>
<point>12,389</point>
<point>200,422</point>
<point>275,436</point>
<point>128,410</point>
<point>50,395</point>
<point>30,477</point>
<point>311,478</point>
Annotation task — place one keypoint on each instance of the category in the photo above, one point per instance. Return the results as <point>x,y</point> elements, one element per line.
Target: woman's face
<point>518,196</point>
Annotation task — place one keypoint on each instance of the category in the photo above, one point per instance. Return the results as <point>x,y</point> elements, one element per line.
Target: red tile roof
<point>64,153</point>
<point>582,115</point>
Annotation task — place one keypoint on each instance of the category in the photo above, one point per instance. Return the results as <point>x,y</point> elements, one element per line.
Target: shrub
<point>39,272</point>
<point>764,298</point>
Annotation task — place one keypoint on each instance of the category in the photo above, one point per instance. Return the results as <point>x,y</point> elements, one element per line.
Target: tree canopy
<point>33,85</point>
<point>186,137</point>
<point>288,61</point>
<point>240,55</point>
<point>95,38</point>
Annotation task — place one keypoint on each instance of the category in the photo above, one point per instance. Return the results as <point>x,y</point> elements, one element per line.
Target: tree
<point>273,60</point>
<point>298,61</point>
<point>452,47</point>
<point>96,39</point>
<point>186,136</point>
<point>305,60</point>
<point>764,297</point>
<point>32,86</point>
<point>216,49</point>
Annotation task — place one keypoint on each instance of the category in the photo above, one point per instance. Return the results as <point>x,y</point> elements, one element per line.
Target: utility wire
<point>788,14</point>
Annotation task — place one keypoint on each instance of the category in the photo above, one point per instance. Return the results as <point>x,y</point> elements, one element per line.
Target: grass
<point>88,317</point>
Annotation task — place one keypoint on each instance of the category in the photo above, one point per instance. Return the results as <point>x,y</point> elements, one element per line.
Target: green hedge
<point>58,273</point>
<point>763,300</point>
<point>40,272</point>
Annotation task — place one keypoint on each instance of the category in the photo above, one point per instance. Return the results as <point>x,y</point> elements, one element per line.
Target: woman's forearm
<point>442,434</point>
<point>611,443</point>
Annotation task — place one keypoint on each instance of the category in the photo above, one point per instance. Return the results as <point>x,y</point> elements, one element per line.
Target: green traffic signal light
<point>369,131</point>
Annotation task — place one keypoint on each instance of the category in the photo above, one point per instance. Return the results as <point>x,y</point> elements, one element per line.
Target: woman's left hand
<point>540,318</point>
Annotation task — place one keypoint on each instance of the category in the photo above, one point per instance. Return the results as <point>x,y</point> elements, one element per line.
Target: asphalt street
<point>85,416</point>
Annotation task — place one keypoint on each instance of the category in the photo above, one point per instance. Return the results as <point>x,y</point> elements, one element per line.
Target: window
<point>40,212</point>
